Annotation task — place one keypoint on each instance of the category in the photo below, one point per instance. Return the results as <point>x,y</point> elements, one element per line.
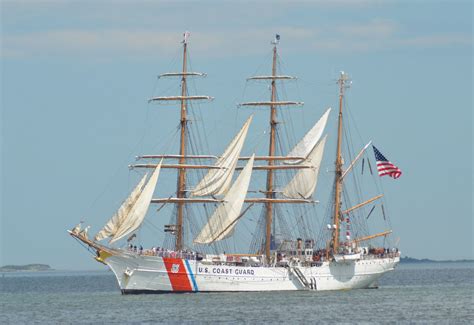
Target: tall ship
<point>208,245</point>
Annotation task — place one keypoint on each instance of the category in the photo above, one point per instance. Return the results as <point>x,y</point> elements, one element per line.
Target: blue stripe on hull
<point>190,272</point>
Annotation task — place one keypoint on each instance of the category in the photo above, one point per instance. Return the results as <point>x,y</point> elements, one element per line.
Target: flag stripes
<point>385,167</point>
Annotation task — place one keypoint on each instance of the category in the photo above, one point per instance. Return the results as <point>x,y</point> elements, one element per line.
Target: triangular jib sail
<point>132,212</point>
<point>218,181</point>
<point>111,227</point>
<point>303,184</point>
<point>223,220</point>
<point>304,147</point>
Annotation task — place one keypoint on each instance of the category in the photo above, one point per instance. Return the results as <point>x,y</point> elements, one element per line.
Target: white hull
<point>147,274</point>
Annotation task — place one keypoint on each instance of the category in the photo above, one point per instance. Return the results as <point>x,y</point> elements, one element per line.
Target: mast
<point>343,79</point>
<point>273,104</point>
<point>182,152</point>
<point>271,153</point>
<point>181,166</point>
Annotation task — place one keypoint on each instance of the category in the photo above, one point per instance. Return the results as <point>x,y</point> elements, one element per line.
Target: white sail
<point>223,220</point>
<point>84,232</point>
<point>304,147</point>
<point>217,181</point>
<point>303,184</point>
<point>139,209</point>
<point>111,227</point>
<point>77,228</point>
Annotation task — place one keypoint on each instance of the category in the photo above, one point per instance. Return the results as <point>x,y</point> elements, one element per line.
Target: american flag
<point>385,167</point>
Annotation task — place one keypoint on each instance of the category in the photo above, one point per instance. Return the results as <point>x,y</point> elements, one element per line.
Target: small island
<point>26,268</point>
<point>409,260</point>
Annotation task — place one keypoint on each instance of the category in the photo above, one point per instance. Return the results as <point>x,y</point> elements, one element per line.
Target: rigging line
<point>289,226</point>
<point>170,88</point>
<point>171,63</point>
<point>379,186</point>
<point>299,225</point>
<point>220,245</point>
<point>309,221</point>
<point>347,129</point>
<point>324,234</point>
<point>168,142</point>
<point>354,124</point>
<point>355,176</point>
<point>188,217</point>
<point>196,131</point>
<point>187,225</point>
<point>355,222</point>
<point>316,221</point>
<point>286,119</point>
<point>361,221</point>
<point>169,239</point>
<point>198,112</point>
<point>87,247</point>
<point>265,60</point>
<point>303,119</point>
<point>377,183</point>
<point>347,132</point>
<point>259,233</point>
<point>371,210</point>
<point>113,177</point>
<point>296,222</point>
<point>281,226</point>
<point>322,87</point>
<point>236,100</point>
<point>249,231</point>
<point>148,223</point>
<point>370,169</point>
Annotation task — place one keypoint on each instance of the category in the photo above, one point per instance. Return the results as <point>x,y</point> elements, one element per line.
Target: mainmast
<point>271,153</point>
<point>182,151</point>
<point>343,83</point>
<point>273,104</point>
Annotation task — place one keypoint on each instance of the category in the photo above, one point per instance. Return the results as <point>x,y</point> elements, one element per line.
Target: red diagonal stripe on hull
<point>177,274</point>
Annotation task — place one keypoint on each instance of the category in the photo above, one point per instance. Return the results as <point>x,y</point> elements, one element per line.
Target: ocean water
<point>413,293</point>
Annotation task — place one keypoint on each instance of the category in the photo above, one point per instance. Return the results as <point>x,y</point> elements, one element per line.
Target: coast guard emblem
<point>175,268</point>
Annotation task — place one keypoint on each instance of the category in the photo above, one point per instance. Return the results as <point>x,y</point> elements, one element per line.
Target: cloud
<point>102,42</point>
<point>81,43</point>
<point>376,28</point>
<point>76,42</point>
<point>440,40</point>
<point>146,43</point>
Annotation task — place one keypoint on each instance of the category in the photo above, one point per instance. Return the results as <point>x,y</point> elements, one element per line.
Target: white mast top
<point>276,41</point>
<point>186,35</point>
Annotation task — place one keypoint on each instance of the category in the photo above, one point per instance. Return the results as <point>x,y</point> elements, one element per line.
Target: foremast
<point>177,229</point>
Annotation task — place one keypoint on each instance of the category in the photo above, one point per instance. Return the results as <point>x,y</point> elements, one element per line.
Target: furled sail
<point>218,181</point>
<point>222,222</point>
<point>137,212</point>
<point>111,227</point>
<point>304,147</point>
<point>303,184</point>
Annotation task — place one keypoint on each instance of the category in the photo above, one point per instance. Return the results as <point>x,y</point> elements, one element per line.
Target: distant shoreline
<point>26,268</point>
<point>411,260</point>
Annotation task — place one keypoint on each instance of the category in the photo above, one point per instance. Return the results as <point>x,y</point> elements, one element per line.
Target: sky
<point>76,76</point>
